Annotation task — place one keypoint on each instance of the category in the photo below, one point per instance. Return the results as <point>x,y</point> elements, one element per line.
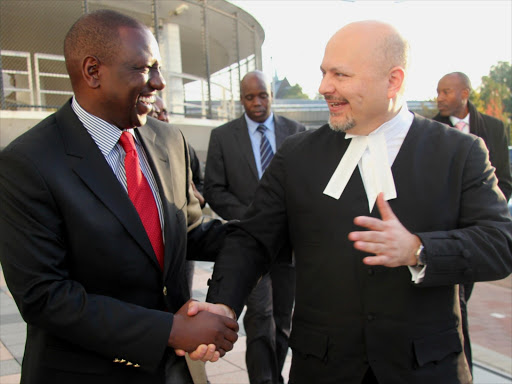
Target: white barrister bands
<point>371,153</point>
<point>374,154</point>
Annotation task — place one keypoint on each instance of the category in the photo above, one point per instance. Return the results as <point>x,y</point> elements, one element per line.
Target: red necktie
<point>141,196</point>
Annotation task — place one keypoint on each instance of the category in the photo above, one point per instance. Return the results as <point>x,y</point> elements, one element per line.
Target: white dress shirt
<point>106,136</point>
<point>454,120</point>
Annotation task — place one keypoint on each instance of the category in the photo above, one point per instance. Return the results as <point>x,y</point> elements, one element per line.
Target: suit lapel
<point>245,145</point>
<point>90,165</point>
<point>161,167</point>
<point>281,130</point>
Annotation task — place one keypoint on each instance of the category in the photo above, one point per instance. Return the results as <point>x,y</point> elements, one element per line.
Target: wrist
<point>229,312</point>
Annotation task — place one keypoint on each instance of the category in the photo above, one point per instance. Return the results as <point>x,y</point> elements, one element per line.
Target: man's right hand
<point>207,328</point>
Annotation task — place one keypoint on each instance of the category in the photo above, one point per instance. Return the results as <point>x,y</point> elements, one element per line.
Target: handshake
<point>206,331</point>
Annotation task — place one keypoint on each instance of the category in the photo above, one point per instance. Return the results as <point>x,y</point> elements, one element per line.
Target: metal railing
<point>195,97</point>
<point>39,75</point>
<point>9,74</point>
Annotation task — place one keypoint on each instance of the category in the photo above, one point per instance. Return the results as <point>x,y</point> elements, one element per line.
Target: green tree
<point>475,98</point>
<point>294,92</point>
<point>495,92</point>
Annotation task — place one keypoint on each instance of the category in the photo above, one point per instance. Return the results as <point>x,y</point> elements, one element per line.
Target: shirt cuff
<point>417,273</point>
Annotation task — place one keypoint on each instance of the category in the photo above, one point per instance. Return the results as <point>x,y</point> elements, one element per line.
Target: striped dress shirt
<point>106,136</point>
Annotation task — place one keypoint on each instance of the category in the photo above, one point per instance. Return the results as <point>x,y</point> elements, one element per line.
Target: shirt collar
<point>454,119</point>
<point>253,125</point>
<point>104,134</point>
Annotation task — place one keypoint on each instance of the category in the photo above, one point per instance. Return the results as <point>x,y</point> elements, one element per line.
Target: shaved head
<point>258,75</point>
<point>256,96</point>
<point>453,92</point>
<point>461,78</point>
<point>380,42</point>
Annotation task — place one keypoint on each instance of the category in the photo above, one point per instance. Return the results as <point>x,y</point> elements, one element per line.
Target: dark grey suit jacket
<point>78,261</point>
<point>231,176</point>
<point>346,311</point>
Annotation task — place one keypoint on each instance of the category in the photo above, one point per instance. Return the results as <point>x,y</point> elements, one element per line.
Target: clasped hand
<point>391,243</point>
<point>206,331</point>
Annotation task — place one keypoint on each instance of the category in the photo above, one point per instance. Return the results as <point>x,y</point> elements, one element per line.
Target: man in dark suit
<point>387,212</point>
<point>457,111</point>
<point>453,92</point>
<point>100,281</point>
<point>233,168</point>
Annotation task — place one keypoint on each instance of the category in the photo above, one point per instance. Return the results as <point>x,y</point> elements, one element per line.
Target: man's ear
<point>396,78</point>
<point>90,71</point>
<point>465,94</point>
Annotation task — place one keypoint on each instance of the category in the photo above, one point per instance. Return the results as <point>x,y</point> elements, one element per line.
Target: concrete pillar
<point>170,49</point>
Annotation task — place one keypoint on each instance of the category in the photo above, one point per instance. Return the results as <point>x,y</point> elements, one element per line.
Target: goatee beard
<point>342,126</point>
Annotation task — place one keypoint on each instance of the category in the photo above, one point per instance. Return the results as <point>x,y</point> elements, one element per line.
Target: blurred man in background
<point>238,154</point>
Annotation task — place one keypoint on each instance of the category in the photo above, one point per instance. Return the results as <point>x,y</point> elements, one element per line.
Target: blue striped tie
<point>266,152</point>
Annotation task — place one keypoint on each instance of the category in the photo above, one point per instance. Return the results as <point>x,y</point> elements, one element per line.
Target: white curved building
<point>206,47</point>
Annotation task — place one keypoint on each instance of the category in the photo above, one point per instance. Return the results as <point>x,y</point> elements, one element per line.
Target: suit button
<point>371,317</point>
<point>165,291</point>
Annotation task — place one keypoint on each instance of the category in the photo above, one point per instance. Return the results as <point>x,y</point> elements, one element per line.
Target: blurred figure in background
<point>457,111</point>
<point>238,154</point>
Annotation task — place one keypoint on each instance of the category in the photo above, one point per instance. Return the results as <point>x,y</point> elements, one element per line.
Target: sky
<point>469,36</point>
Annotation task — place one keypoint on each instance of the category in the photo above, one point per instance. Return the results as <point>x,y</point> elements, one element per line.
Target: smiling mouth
<point>336,104</point>
<point>148,100</point>
<point>331,102</point>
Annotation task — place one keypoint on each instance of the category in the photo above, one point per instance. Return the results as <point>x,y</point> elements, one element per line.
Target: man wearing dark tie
<point>97,207</point>
<point>238,154</point>
<point>457,111</point>
<point>387,213</point>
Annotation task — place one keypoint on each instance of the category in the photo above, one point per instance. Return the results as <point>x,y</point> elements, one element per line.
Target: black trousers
<point>267,323</point>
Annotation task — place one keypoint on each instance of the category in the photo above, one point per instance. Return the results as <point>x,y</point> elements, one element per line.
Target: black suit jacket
<point>77,259</point>
<point>493,132</point>
<point>356,314</point>
<point>231,176</point>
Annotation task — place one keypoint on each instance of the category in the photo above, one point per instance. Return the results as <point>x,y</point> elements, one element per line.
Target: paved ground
<point>490,310</point>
